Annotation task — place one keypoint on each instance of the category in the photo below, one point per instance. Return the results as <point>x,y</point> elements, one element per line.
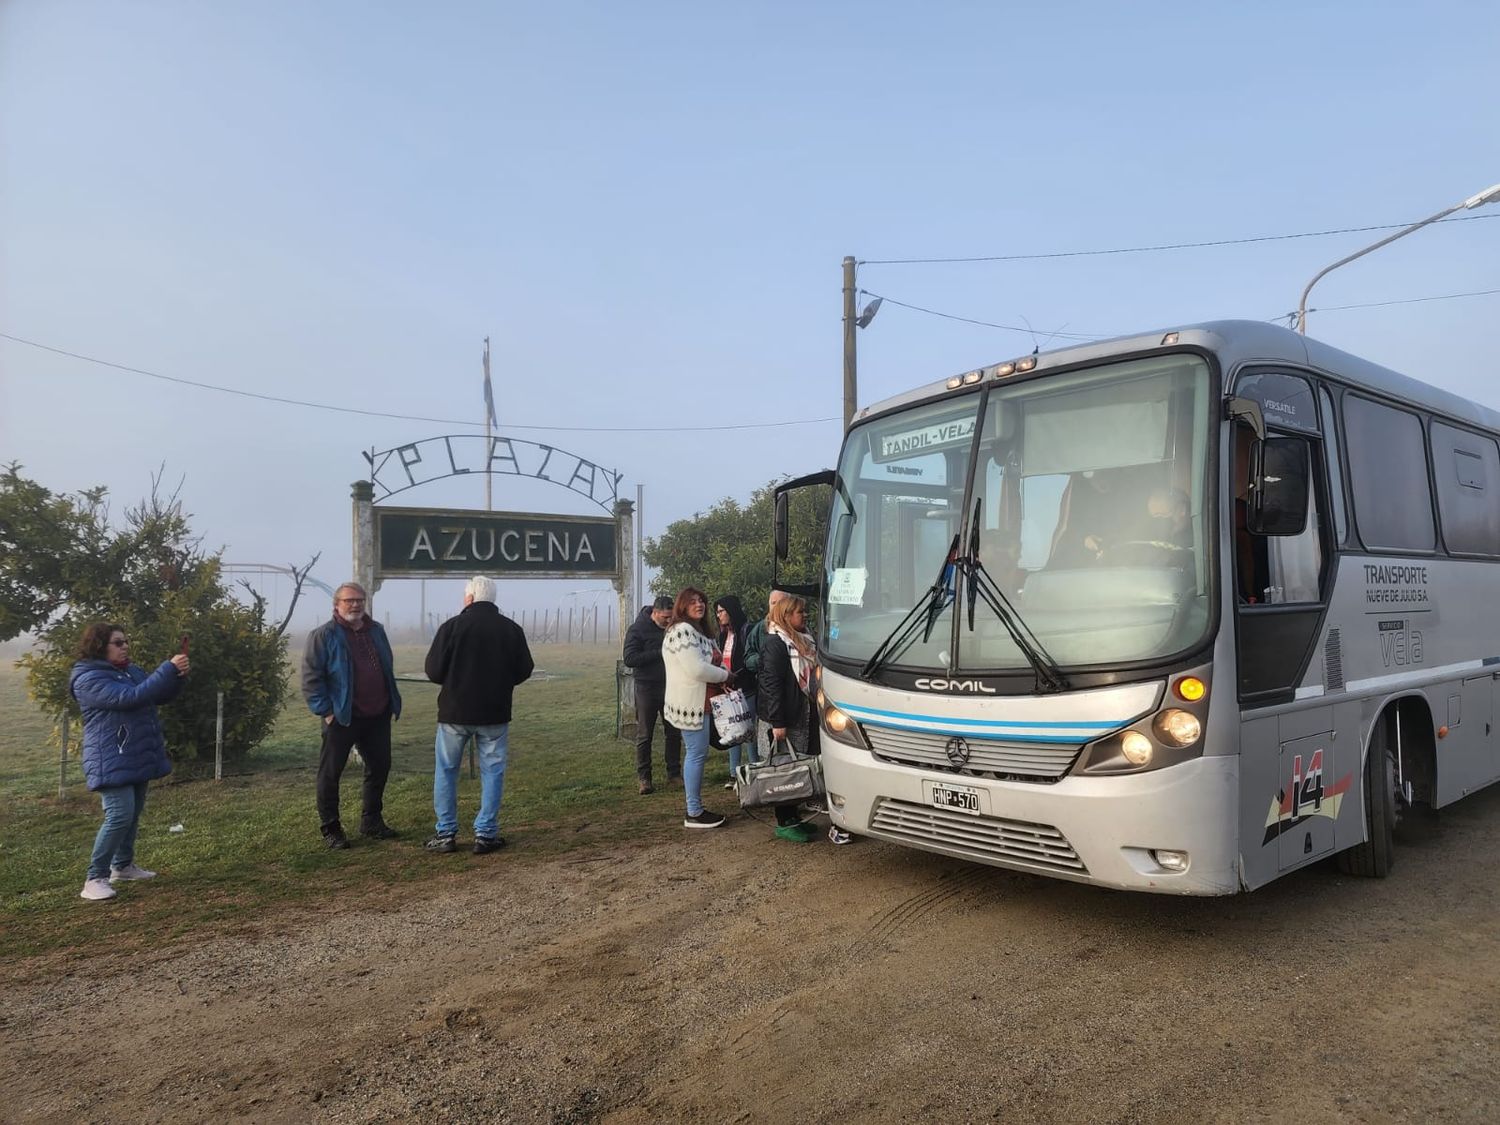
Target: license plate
<point>964,798</point>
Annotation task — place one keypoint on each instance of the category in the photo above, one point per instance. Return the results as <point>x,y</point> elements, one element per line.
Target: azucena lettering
<point>480,544</point>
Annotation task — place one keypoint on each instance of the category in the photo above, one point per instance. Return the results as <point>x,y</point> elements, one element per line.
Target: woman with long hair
<point>788,661</point>
<point>690,656</point>
<point>734,629</point>
<point>123,748</point>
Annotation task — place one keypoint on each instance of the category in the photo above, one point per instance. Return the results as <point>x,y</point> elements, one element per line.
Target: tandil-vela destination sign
<point>427,543</point>
<point>900,444</point>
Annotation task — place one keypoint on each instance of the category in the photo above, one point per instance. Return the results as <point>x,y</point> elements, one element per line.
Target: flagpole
<point>489,414</point>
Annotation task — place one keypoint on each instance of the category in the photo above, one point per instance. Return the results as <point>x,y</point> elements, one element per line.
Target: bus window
<point>1335,468</point>
<point>1274,569</point>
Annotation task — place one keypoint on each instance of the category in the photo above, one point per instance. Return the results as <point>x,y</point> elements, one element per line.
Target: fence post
<point>596,624</point>
<point>570,622</point>
<point>62,762</point>
<point>219,739</point>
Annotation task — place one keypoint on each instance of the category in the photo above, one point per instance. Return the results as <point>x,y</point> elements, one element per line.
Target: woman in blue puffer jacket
<point>123,748</point>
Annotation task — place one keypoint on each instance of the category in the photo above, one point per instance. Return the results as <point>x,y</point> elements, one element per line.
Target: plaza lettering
<point>406,466</point>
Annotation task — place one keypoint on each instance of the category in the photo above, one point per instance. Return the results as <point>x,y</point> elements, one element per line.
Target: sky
<point>646,206</point>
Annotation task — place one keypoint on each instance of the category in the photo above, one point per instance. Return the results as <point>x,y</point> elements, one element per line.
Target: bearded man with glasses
<point>348,680</point>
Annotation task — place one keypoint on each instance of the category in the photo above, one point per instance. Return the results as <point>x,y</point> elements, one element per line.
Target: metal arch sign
<point>438,543</point>
<point>406,466</point>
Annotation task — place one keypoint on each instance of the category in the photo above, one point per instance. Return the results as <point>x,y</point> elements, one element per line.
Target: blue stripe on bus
<point>1102,725</point>
<point>1059,739</point>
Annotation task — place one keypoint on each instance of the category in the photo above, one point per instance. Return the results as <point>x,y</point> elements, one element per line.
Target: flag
<point>489,391</point>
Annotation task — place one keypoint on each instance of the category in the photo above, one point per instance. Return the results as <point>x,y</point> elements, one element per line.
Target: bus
<point>1178,612</point>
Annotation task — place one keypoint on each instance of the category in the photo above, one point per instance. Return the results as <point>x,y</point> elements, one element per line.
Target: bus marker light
<point>1005,369</point>
<point>972,377</point>
<point>1136,747</point>
<point>1190,688</point>
<point>1169,339</point>
<point>1442,732</point>
<point>954,382</point>
<point>1178,728</point>
<point>836,800</point>
<point>1171,861</point>
<point>1026,364</point>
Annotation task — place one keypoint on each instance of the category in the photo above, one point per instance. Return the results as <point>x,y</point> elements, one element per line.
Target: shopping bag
<point>784,778</point>
<point>733,717</point>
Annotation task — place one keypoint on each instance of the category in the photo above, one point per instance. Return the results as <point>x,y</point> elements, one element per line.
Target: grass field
<point>250,843</point>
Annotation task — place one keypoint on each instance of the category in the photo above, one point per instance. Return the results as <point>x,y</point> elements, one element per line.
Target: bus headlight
<point>1177,728</point>
<point>840,727</point>
<point>1135,747</point>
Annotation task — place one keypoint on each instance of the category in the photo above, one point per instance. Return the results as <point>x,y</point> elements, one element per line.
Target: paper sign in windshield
<point>848,586</point>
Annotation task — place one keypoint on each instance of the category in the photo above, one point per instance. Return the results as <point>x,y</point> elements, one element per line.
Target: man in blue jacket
<point>349,681</point>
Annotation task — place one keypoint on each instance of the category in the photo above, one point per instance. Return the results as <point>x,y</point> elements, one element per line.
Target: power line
<point>1092,336</point>
<point>401,417</point>
<point>1151,249</point>
<point>1405,301</point>
<point>981,323</point>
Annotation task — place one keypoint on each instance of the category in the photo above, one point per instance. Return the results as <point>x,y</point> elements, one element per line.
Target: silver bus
<point>1178,612</point>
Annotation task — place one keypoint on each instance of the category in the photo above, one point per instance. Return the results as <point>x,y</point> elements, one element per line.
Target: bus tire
<point>1374,858</point>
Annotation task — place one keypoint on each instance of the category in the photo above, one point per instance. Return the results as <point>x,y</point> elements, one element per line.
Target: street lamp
<point>1488,195</point>
<point>851,322</point>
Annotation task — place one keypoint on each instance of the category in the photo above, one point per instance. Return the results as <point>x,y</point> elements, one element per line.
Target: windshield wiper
<point>922,617</point>
<point>1049,676</point>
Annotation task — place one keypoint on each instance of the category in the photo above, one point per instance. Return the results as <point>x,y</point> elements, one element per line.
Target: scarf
<point>802,666</point>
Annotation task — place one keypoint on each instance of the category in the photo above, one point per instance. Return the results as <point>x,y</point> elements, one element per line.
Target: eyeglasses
<point>120,644</point>
<point>351,601</point>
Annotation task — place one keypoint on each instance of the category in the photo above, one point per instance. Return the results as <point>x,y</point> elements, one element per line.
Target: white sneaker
<point>128,872</point>
<point>97,890</point>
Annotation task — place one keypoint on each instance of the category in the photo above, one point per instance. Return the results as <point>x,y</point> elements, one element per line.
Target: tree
<point>728,549</point>
<point>63,566</point>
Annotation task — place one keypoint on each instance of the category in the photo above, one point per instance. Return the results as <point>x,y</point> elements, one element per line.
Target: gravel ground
<point>732,977</point>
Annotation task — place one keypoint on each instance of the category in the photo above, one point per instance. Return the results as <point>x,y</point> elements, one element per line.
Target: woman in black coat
<point>784,700</point>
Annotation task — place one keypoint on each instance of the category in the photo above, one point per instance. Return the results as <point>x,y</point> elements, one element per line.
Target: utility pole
<point>640,569</point>
<point>850,372</point>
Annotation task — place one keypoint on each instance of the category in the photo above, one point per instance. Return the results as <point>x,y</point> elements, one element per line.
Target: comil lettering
<point>927,684</point>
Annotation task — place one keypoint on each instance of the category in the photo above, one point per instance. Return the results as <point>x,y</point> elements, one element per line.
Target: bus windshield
<point>1087,512</point>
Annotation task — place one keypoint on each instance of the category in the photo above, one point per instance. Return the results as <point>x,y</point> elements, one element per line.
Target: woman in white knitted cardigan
<point>688,652</point>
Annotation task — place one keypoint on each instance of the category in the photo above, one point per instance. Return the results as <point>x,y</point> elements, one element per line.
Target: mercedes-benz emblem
<point>958,751</point>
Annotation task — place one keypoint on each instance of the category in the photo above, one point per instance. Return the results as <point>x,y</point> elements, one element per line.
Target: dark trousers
<point>649,699</point>
<point>373,739</point>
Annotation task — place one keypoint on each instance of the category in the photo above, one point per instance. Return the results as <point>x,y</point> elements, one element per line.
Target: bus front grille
<point>978,837</point>
<point>1010,761</point>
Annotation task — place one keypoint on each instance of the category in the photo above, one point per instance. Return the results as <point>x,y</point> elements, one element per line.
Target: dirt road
<point>729,977</point>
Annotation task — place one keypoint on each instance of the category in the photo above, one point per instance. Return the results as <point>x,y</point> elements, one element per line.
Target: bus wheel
<point>1377,855</point>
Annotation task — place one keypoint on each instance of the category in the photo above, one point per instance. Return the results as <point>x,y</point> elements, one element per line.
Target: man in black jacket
<point>479,657</point>
<point>643,653</point>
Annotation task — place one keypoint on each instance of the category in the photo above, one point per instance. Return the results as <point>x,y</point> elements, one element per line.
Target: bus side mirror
<point>1280,489</point>
<point>780,533</point>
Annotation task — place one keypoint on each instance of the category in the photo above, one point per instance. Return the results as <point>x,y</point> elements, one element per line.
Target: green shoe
<point>797,833</point>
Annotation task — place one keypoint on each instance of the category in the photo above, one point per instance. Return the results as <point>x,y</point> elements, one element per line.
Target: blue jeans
<point>492,739</point>
<point>694,754</point>
<point>115,844</point>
